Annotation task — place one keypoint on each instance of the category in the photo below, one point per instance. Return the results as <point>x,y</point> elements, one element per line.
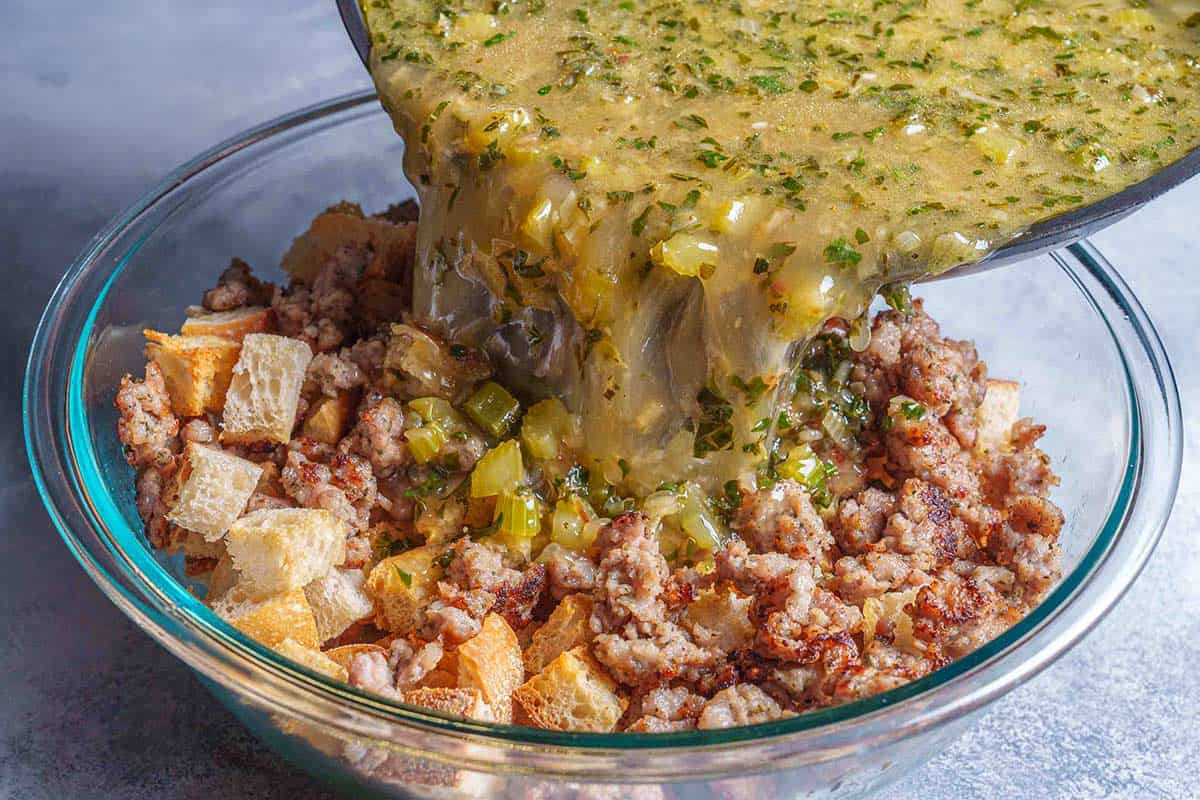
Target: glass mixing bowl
<point>1065,325</point>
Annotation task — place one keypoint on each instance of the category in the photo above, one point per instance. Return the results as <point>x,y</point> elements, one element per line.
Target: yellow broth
<point>640,206</point>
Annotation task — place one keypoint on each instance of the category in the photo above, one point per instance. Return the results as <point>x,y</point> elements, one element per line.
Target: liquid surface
<point>641,206</point>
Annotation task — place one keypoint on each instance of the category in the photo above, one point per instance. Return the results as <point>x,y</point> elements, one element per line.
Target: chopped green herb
<point>912,410</point>
<point>839,251</point>
<point>639,224</point>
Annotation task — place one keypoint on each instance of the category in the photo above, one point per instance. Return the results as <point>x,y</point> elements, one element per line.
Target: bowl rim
<point>68,476</point>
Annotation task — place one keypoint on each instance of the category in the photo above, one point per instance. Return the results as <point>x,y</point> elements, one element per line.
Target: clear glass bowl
<point>1065,325</point>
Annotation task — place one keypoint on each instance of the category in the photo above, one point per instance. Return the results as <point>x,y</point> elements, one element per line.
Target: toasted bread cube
<point>572,693</point>
<point>232,325</point>
<point>312,658</point>
<point>445,675</point>
<point>720,618</point>
<point>192,544</point>
<point>222,579</point>
<point>440,679</point>
<point>345,654</point>
<point>280,549</point>
<point>391,245</point>
<point>214,488</point>
<point>402,585</point>
<point>264,392</point>
<point>566,629</point>
<point>338,600</point>
<point>996,415</point>
<point>490,661</point>
<point>270,621</point>
<point>329,418</point>
<point>467,703</point>
<point>196,369</point>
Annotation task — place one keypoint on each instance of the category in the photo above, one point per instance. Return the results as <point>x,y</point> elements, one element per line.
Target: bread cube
<point>572,693</point>
<point>720,618</point>
<point>196,369</point>
<point>996,415</point>
<point>402,585</point>
<point>270,621</point>
<point>192,544</point>
<point>491,662</point>
<point>391,245</point>
<point>467,703</point>
<point>440,679</point>
<point>264,392</point>
<point>338,600</point>
<point>232,325</point>
<point>330,418</point>
<point>221,580</point>
<point>566,629</point>
<point>312,658</point>
<point>213,491</point>
<point>345,654</point>
<point>280,549</point>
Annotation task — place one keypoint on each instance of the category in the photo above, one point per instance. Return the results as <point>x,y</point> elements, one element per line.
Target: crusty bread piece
<point>329,418</point>
<point>312,658</point>
<point>467,703</point>
<point>391,245</point>
<point>265,389</point>
<point>440,679</point>
<point>889,608</point>
<point>566,629</point>
<point>214,487</point>
<point>221,579</point>
<point>338,600</point>
<point>996,415</point>
<point>345,654</point>
<point>572,693</point>
<point>192,544</point>
<point>270,621</point>
<point>490,661</point>
<point>402,585</point>
<point>196,369</point>
<point>445,675</point>
<point>279,549</point>
<point>232,325</point>
<point>720,618</point>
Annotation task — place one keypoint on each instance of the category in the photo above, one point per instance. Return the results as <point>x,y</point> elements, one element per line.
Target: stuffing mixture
<point>371,501</point>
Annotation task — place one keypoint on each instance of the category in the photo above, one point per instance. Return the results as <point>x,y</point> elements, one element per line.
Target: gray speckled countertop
<point>98,101</point>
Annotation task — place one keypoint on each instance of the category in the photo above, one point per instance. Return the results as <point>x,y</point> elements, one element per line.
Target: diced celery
<point>426,441</point>
<point>539,223</point>
<point>475,25</point>
<point>493,409</point>
<point>803,465</point>
<point>569,521</point>
<point>687,255</point>
<point>545,426</point>
<point>435,409</point>
<point>698,520</point>
<point>996,146</point>
<point>500,470</point>
<point>834,424</point>
<point>518,514</point>
<point>729,216</point>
